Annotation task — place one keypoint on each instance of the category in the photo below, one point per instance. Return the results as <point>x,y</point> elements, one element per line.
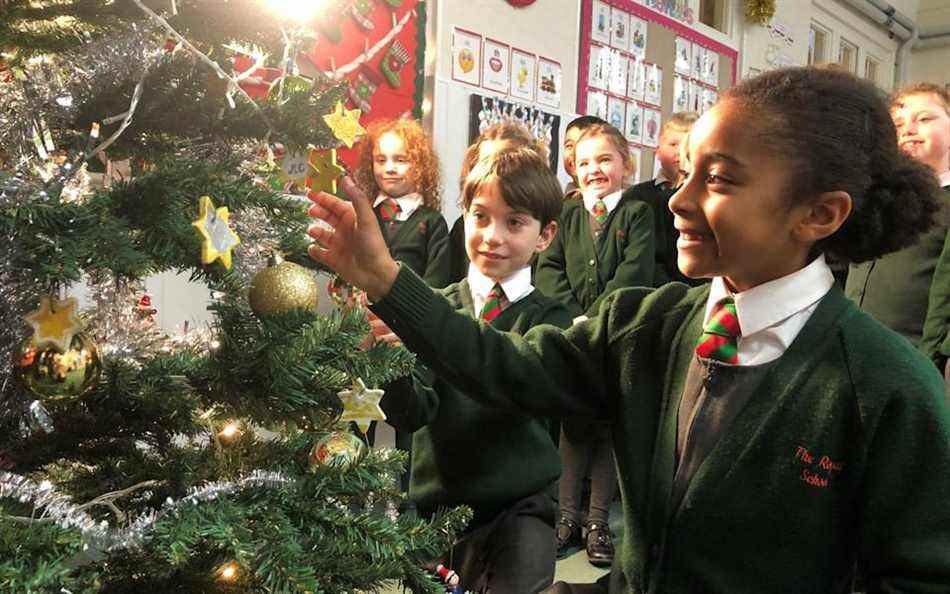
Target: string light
<point>230,431</point>
<point>301,11</point>
<point>228,572</point>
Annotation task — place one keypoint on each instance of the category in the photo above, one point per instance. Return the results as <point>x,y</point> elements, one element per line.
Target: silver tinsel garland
<point>99,535</point>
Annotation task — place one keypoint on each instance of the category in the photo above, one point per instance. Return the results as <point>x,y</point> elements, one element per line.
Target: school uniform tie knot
<point>494,304</point>
<point>389,209</point>
<point>600,211</point>
<point>720,339</point>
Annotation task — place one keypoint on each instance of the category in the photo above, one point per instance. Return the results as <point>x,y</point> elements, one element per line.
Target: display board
<point>486,111</point>
<point>638,66</point>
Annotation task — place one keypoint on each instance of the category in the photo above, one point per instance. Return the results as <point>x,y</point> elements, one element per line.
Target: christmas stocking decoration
<point>396,57</point>
<point>330,23</point>
<point>363,87</point>
<point>361,11</point>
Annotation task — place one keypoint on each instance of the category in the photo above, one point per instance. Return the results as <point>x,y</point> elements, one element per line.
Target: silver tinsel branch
<point>99,535</point>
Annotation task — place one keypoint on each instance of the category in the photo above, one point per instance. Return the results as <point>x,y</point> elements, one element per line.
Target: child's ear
<point>546,236</point>
<point>822,216</point>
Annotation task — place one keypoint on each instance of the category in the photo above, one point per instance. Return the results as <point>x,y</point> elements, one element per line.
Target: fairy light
<point>228,572</point>
<point>300,11</point>
<point>231,430</point>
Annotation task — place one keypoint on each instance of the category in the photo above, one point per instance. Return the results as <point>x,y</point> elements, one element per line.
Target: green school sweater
<point>665,235</point>
<point>935,343</point>
<point>840,456</point>
<point>421,242</point>
<point>578,270</point>
<point>464,452</point>
<point>895,289</point>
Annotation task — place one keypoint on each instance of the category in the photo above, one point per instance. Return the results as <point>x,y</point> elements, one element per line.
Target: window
<point>713,14</point>
<point>871,69</point>
<point>817,44</point>
<point>848,56</point>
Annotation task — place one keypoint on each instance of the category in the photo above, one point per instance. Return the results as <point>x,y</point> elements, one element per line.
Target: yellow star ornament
<point>361,404</point>
<point>54,323</point>
<point>324,171</point>
<point>345,124</point>
<point>217,238</point>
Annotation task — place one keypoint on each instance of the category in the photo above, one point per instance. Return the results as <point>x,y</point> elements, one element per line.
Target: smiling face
<point>923,130</point>
<point>499,240</point>
<point>732,212</point>
<point>392,167</point>
<point>600,166</point>
<point>570,140</point>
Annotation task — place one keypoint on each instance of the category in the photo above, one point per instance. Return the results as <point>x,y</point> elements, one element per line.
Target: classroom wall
<point>932,64</point>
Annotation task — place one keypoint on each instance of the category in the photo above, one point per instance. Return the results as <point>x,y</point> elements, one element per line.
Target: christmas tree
<point>138,137</point>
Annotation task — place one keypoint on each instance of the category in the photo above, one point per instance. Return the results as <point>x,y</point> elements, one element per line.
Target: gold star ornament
<point>217,238</point>
<point>360,404</point>
<point>324,171</point>
<point>345,124</point>
<point>54,323</point>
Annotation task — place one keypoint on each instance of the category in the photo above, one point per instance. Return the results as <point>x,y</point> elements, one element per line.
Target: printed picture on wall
<point>680,93</point>
<point>636,154</point>
<point>695,96</point>
<point>638,37</point>
<point>635,79</point>
<point>523,71</point>
<point>598,68</point>
<point>619,29</point>
<point>600,22</point>
<point>618,73</point>
<point>710,96</point>
<point>597,104</point>
<point>683,62</point>
<point>633,127</point>
<point>698,55</point>
<point>711,69</point>
<point>654,84</point>
<point>549,82</point>
<point>616,112</point>
<point>651,127</point>
<point>496,58</point>
<point>466,56</point>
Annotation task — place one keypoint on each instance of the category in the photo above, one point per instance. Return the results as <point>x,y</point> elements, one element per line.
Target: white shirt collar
<point>944,179</point>
<point>661,179</point>
<point>408,203</point>
<point>777,309</point>
<point>516,287</point>
<point>611,200</point>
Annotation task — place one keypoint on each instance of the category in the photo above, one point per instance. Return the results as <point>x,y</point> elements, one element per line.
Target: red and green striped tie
<point>720,339</point>
<point>493,304</point>
<point>600,212</point>
<point>388,210</point>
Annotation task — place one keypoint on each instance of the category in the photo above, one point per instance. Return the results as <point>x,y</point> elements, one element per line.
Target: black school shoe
<point>568,535</point>
<point>600,545</point>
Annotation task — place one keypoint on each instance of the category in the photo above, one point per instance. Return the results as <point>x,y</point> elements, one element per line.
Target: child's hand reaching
<point>354,247</point>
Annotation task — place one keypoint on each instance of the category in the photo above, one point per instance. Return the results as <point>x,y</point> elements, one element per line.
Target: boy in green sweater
<point>503,464</point>
<point>896,288</point>
<point>769,436</point>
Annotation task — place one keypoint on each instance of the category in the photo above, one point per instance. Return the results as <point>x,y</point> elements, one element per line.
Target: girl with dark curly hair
<point>769,436</point>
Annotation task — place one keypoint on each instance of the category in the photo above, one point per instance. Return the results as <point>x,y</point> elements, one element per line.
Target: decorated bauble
<point>54,375</point>
<point>337,448</point>
<point>282,287</point>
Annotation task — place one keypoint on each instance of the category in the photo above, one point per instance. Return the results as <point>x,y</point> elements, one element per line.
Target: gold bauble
<point>282,287</point>
<point>337,448</point>
<point>54,375</point>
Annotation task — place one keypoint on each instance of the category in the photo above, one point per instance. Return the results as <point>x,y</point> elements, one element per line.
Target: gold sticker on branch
<point>324,171</point>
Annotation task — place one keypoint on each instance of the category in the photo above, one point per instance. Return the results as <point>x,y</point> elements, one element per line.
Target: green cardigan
<point>895,289</point>
<point>841,456</point>
<point>578,271</point>
<point>935,343</point>
<point>516,455</point>
<point>421,242</point>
